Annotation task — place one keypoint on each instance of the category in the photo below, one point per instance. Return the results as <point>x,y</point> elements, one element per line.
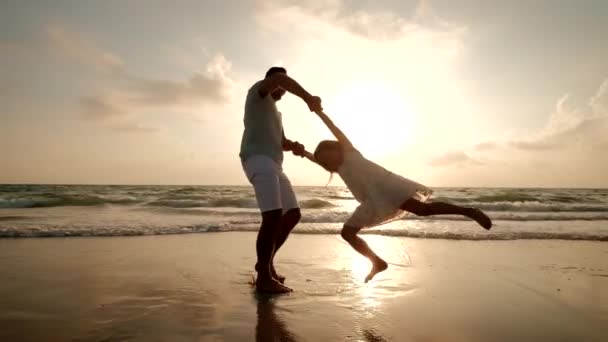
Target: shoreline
<point>582,239</point>
<point>364,232</point>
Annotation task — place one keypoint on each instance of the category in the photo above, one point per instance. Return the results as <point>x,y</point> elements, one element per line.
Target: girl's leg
<point>378,265</point>
<point>441,208</point>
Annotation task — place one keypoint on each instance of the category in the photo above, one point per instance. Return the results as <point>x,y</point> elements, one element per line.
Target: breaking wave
<point>214,228</point>
<point>117,210</point>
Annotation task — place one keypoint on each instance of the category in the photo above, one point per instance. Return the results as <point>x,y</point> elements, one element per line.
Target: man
<point>261,155</point>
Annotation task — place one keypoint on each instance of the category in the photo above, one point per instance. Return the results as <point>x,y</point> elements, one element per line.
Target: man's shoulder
<point>253,95</point>
<point>255,86</point>
<point>254,101</point>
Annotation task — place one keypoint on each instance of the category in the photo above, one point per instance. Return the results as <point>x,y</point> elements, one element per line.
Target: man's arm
<point>271,83</point>
<point>335,130</point>
<point>294,146</point>
<point>287,144</point>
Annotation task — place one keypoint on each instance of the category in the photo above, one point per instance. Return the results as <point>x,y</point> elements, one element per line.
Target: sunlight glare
<point>374,116</point>
<point>367,292</point>
<point>360,266</point>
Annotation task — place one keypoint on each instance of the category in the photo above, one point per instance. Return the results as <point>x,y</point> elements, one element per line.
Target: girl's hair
<point>328,145</point>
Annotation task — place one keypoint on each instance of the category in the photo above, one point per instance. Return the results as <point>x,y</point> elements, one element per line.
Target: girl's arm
<point>309,156</point>
<point>335,130</point>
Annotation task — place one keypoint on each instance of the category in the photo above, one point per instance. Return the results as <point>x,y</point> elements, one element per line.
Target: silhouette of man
<point>261,155</point>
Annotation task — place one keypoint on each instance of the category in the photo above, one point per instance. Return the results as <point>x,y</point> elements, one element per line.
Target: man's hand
<point>295,147</point>
<point>314,103</point>
<point>298,149</point>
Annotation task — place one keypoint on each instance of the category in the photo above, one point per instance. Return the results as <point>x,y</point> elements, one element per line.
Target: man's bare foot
<point>273,272</point>
<point>270,285</point>
<point>275,275</point>
<point>481,218</point>
<point>377,267</point>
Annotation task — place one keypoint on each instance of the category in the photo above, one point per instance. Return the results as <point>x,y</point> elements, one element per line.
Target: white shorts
<point>272,187</point>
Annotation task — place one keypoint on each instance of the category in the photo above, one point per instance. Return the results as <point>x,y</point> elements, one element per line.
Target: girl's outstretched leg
<point>441,208</point>
<point>378,265</point>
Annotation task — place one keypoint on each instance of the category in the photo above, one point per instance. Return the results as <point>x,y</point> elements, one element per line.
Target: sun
<point>373,115</point>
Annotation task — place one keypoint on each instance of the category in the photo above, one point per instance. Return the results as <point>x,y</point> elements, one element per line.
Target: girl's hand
<point>314,103</point>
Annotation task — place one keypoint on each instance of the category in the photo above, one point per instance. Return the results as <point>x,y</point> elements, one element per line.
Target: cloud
<point>334,46</point>
<point>569,150</point>
<point>485,146</point>
<point>133,127</point>
<point>125,93</point>
<point>377,25</point>
<point>72,45</point>
<point>104,109</point>
<point>599,101</point>
<point>212,86</point>
<point>533,145</point>
<point>100,107</point>
<point>578,127</point>
<point>452,158</point>
<point>414,48</point>
<point>572,126</point>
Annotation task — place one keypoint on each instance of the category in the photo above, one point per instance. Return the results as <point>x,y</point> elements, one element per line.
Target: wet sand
<point>196,288</point>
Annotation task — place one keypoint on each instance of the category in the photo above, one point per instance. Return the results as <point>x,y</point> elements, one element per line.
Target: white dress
<point>379,191</point>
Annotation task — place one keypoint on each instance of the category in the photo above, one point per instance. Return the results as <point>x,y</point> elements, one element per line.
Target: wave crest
<point>316,203</point>
<point>248,227</point>
<point>65,200</point>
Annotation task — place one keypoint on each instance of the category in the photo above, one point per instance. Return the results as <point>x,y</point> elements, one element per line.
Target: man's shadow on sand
<point>271,328</point>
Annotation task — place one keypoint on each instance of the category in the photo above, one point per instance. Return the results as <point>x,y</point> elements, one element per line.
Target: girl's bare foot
<point>270,285</point>
<point>481,218</point>
<point>377,267</point>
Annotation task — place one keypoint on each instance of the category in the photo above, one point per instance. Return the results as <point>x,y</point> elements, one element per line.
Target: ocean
<point>118,210</point>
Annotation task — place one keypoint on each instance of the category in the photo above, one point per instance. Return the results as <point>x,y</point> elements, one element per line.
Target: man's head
<point>278,93</point>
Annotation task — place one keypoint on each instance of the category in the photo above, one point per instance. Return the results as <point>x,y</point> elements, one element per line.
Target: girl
<point>383,195</point>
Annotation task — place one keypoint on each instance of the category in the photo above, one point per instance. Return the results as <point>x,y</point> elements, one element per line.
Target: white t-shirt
<point>263,133</point>
<point>379,191</point>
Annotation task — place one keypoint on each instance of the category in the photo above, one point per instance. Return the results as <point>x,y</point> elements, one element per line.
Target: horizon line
<point>305,185</point>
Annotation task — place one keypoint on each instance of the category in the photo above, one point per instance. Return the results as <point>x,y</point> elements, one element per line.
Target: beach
<point>144,146</point>
<point>196,287</point>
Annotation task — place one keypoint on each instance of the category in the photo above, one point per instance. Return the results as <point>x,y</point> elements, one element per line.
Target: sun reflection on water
<point>360,267</point>
<point>384,285</point>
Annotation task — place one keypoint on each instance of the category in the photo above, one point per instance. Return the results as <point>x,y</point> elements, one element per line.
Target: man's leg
<point>263,174</point>
<point>289,221</point>
<point>265,243</point>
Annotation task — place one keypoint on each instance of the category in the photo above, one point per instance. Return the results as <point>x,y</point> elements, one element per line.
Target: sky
<point>446,93</point>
